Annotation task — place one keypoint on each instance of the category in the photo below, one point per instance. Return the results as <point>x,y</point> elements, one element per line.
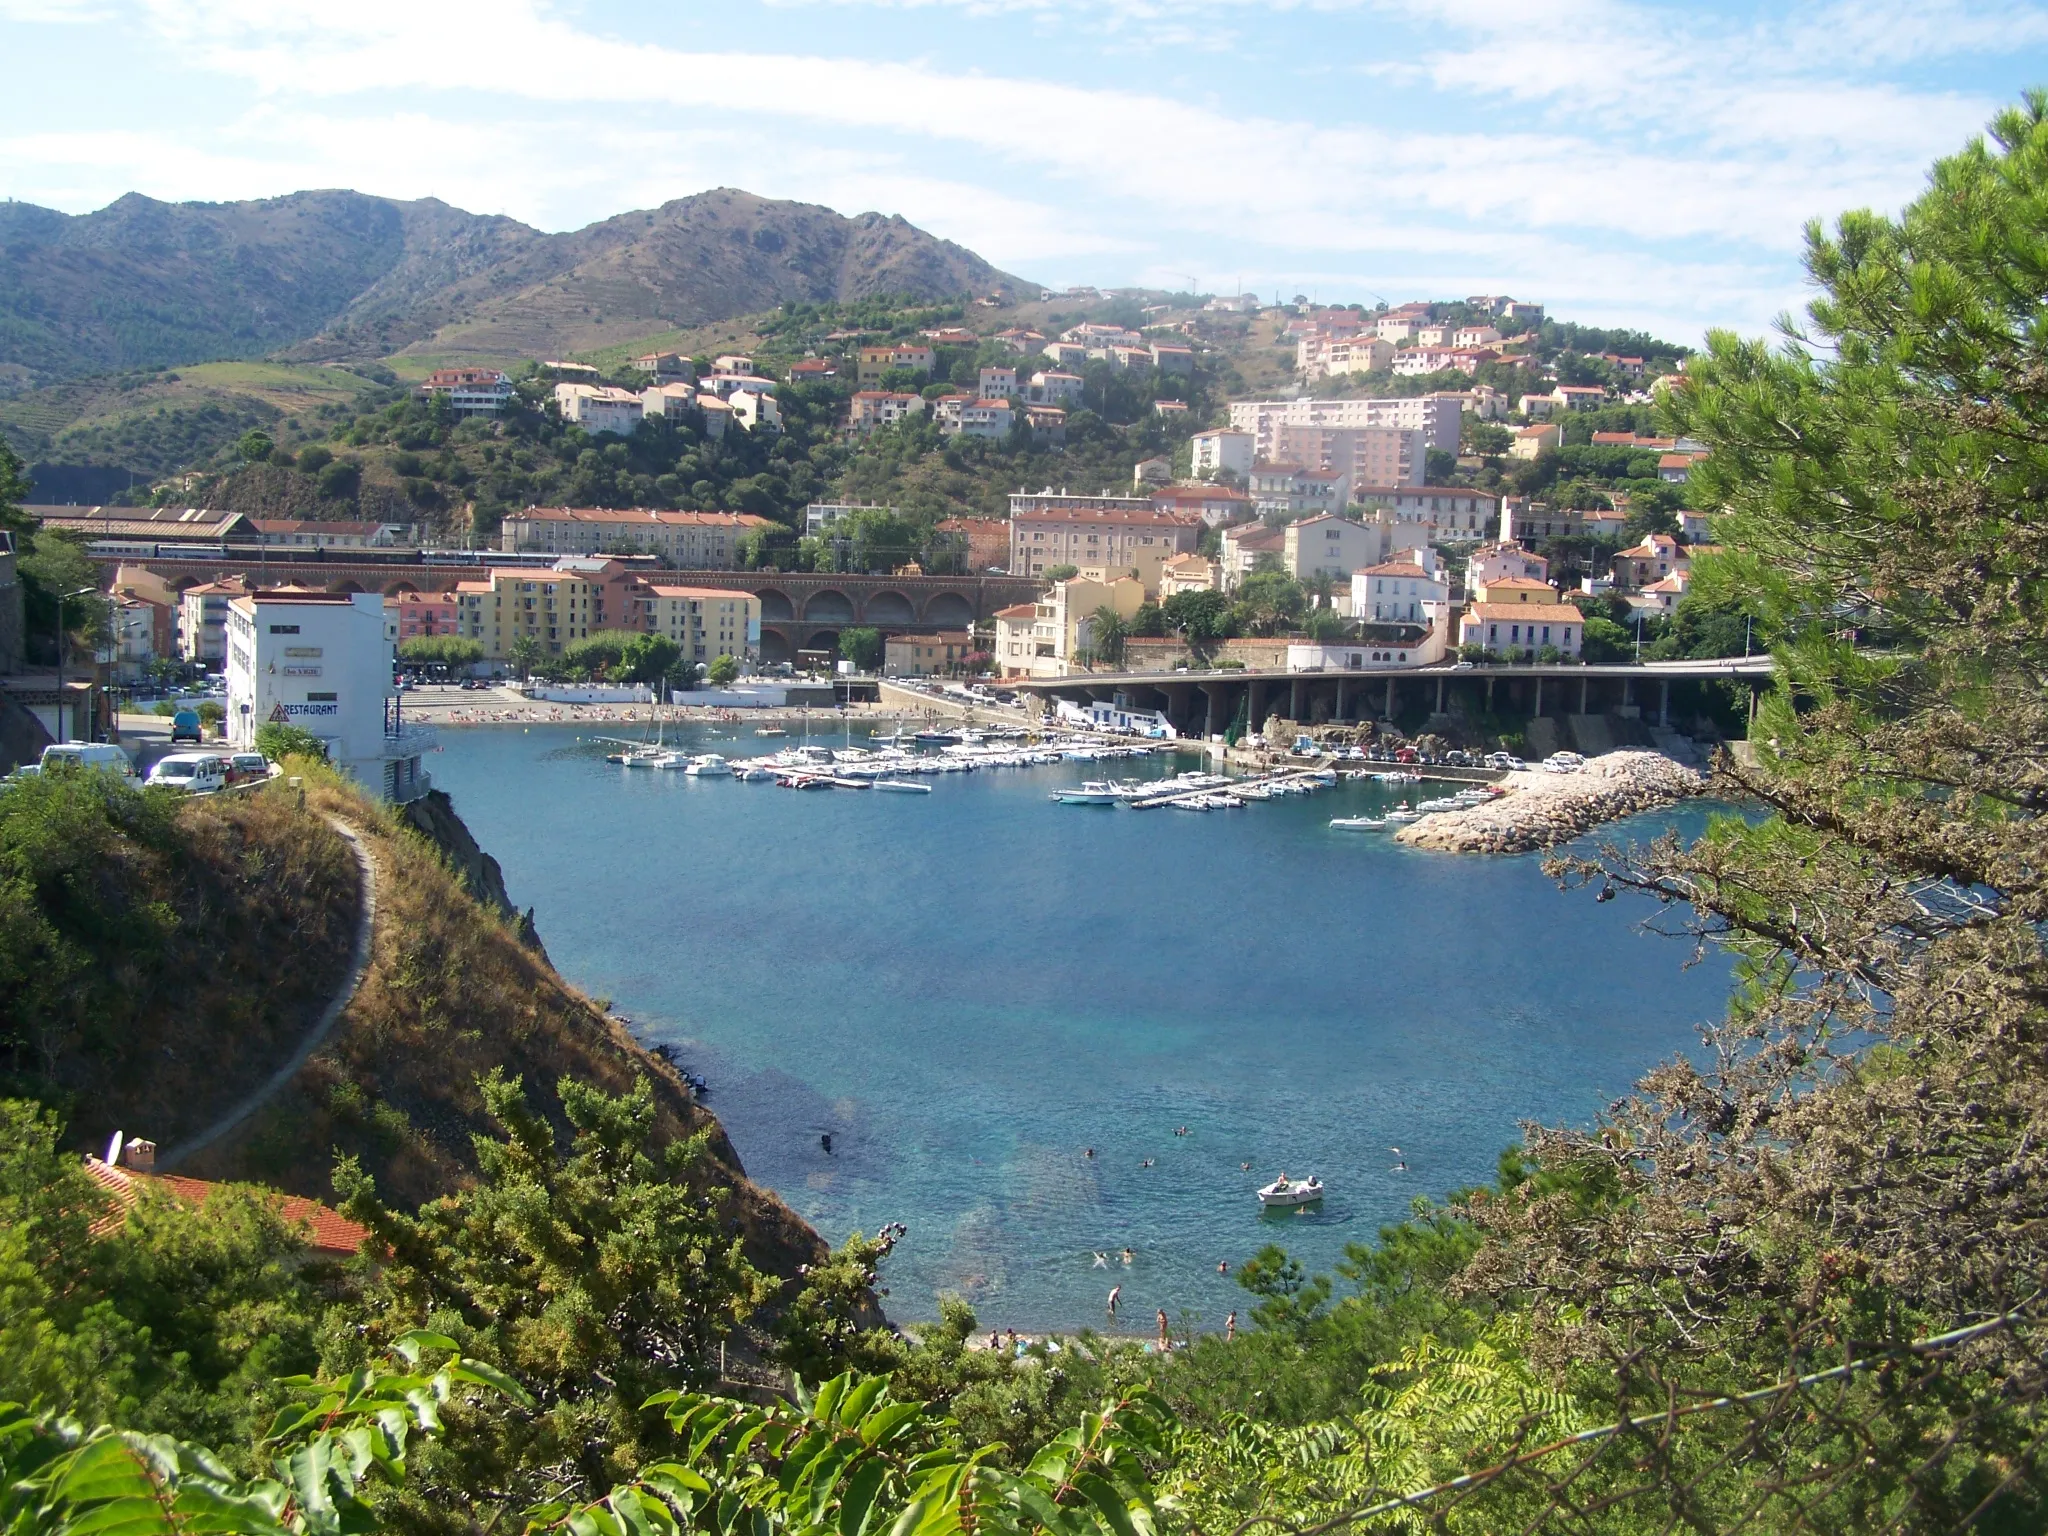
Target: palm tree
<point>525,651</point>
<point>1112,629</point>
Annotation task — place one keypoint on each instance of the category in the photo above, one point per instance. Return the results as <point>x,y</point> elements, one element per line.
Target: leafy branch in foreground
<point>60,1478</point>
<point>850,1460</point>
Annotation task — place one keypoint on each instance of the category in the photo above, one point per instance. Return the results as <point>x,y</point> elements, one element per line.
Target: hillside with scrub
<point>163,957</point>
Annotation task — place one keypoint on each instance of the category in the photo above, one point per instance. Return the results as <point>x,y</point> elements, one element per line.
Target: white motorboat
<point>754,773</point>
<point>1091,792</point>
<point>1358,823</point>
<point>1402,813</point>
<point>1285,1191</point>
<point>709,766</point>
<point>902,787</point>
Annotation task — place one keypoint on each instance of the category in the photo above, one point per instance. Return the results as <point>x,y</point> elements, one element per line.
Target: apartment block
<point>1052,529</point>
<point>705,622</point>
<point>704,541</point>
<point>1437,414</point>
<point>1369,455</point>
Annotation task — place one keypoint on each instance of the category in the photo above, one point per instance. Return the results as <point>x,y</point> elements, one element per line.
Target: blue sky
<point>1625,162</point>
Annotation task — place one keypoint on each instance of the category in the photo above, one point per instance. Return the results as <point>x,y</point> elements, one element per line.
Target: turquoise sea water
<point>967,989</point>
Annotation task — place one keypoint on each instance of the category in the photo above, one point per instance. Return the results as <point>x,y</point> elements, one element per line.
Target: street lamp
<point>62,599</point>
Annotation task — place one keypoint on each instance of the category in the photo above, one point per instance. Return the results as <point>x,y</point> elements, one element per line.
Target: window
<point>321,698</point>
<point>284,629</point>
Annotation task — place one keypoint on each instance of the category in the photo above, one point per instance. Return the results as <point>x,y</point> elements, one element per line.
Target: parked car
<point>185,726</point>
<point>198,773</point>
<point>247,767</point>
<point>1458,757</point>
<point>100,755</point>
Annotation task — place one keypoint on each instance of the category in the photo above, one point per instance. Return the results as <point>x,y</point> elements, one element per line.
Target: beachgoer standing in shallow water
<point>1114,1292</point>
<point>1162,1331</point>
<point>1230,1327</point>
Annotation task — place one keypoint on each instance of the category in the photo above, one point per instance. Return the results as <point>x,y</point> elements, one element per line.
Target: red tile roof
<point>327,1231</point>
<point>1527,613</point>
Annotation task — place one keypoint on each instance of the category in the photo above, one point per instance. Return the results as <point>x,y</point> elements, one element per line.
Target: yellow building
<point>707,622</point>
<point>1050,637</point>
<point>1144,564</point>
<point>550,607</point>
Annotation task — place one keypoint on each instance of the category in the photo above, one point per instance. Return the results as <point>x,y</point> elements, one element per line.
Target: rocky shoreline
<point>1544,809</point>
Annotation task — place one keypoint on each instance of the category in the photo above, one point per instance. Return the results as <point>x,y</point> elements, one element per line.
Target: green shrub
<point>278,741</point>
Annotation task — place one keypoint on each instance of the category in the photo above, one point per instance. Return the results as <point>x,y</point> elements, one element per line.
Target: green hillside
<point>324,275</point>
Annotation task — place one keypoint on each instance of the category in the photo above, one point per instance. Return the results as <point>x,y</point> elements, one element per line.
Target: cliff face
<point>433,817</point>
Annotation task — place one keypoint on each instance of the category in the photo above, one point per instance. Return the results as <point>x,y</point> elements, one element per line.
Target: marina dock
<point>1152,802</point>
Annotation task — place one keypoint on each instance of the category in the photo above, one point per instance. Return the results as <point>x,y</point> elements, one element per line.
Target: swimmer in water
<point>1101,1260</point>
<point>1223,1266</point>
<point>1128,1256</point>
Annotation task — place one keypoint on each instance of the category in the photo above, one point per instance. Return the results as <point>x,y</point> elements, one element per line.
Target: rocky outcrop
<point>433,817</point>
<point>1541,810</point>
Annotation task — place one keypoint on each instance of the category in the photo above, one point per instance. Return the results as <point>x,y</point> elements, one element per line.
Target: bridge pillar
<point>1390,697</point>
<point>1440,693</point>
<point>1217,720</point>
<point>1176,697</point>
<point>1582,693</point>
<point>1663,701</point>
<point>1337,714</point>
<point>1489,694</point>
<point>1255,710</point>
<point>1294,710</point>
<point>1538,710</point>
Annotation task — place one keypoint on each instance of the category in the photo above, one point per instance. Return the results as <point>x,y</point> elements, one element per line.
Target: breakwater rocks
<point>1543,809</point>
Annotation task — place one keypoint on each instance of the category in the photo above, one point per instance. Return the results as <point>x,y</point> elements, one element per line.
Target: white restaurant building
<point>322,661</point>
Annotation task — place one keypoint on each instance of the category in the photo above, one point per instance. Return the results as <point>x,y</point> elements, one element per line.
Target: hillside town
<point>1508,513</point>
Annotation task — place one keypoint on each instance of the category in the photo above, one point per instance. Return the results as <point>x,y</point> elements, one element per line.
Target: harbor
<point>967,989</point>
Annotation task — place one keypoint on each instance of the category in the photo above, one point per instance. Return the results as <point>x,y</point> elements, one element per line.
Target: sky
<point>1625,162</point>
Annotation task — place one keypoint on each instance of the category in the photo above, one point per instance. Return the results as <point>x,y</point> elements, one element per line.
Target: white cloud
<point>1620,156</point>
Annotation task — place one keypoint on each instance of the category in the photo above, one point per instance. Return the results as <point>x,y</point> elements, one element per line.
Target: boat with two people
<point>1283,1192</point>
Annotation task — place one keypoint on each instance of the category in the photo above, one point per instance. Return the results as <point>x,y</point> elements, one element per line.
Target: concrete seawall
<point>1543,809</point>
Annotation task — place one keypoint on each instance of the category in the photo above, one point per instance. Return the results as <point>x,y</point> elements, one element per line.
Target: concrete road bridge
<point>799,610</point>
<point>1205,703</point>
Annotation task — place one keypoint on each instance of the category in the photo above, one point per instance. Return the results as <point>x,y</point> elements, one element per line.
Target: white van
<point>100,755</point>
<point>199,773</point>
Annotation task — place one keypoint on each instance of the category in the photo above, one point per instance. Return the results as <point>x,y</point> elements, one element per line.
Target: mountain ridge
<point>340,275</point>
